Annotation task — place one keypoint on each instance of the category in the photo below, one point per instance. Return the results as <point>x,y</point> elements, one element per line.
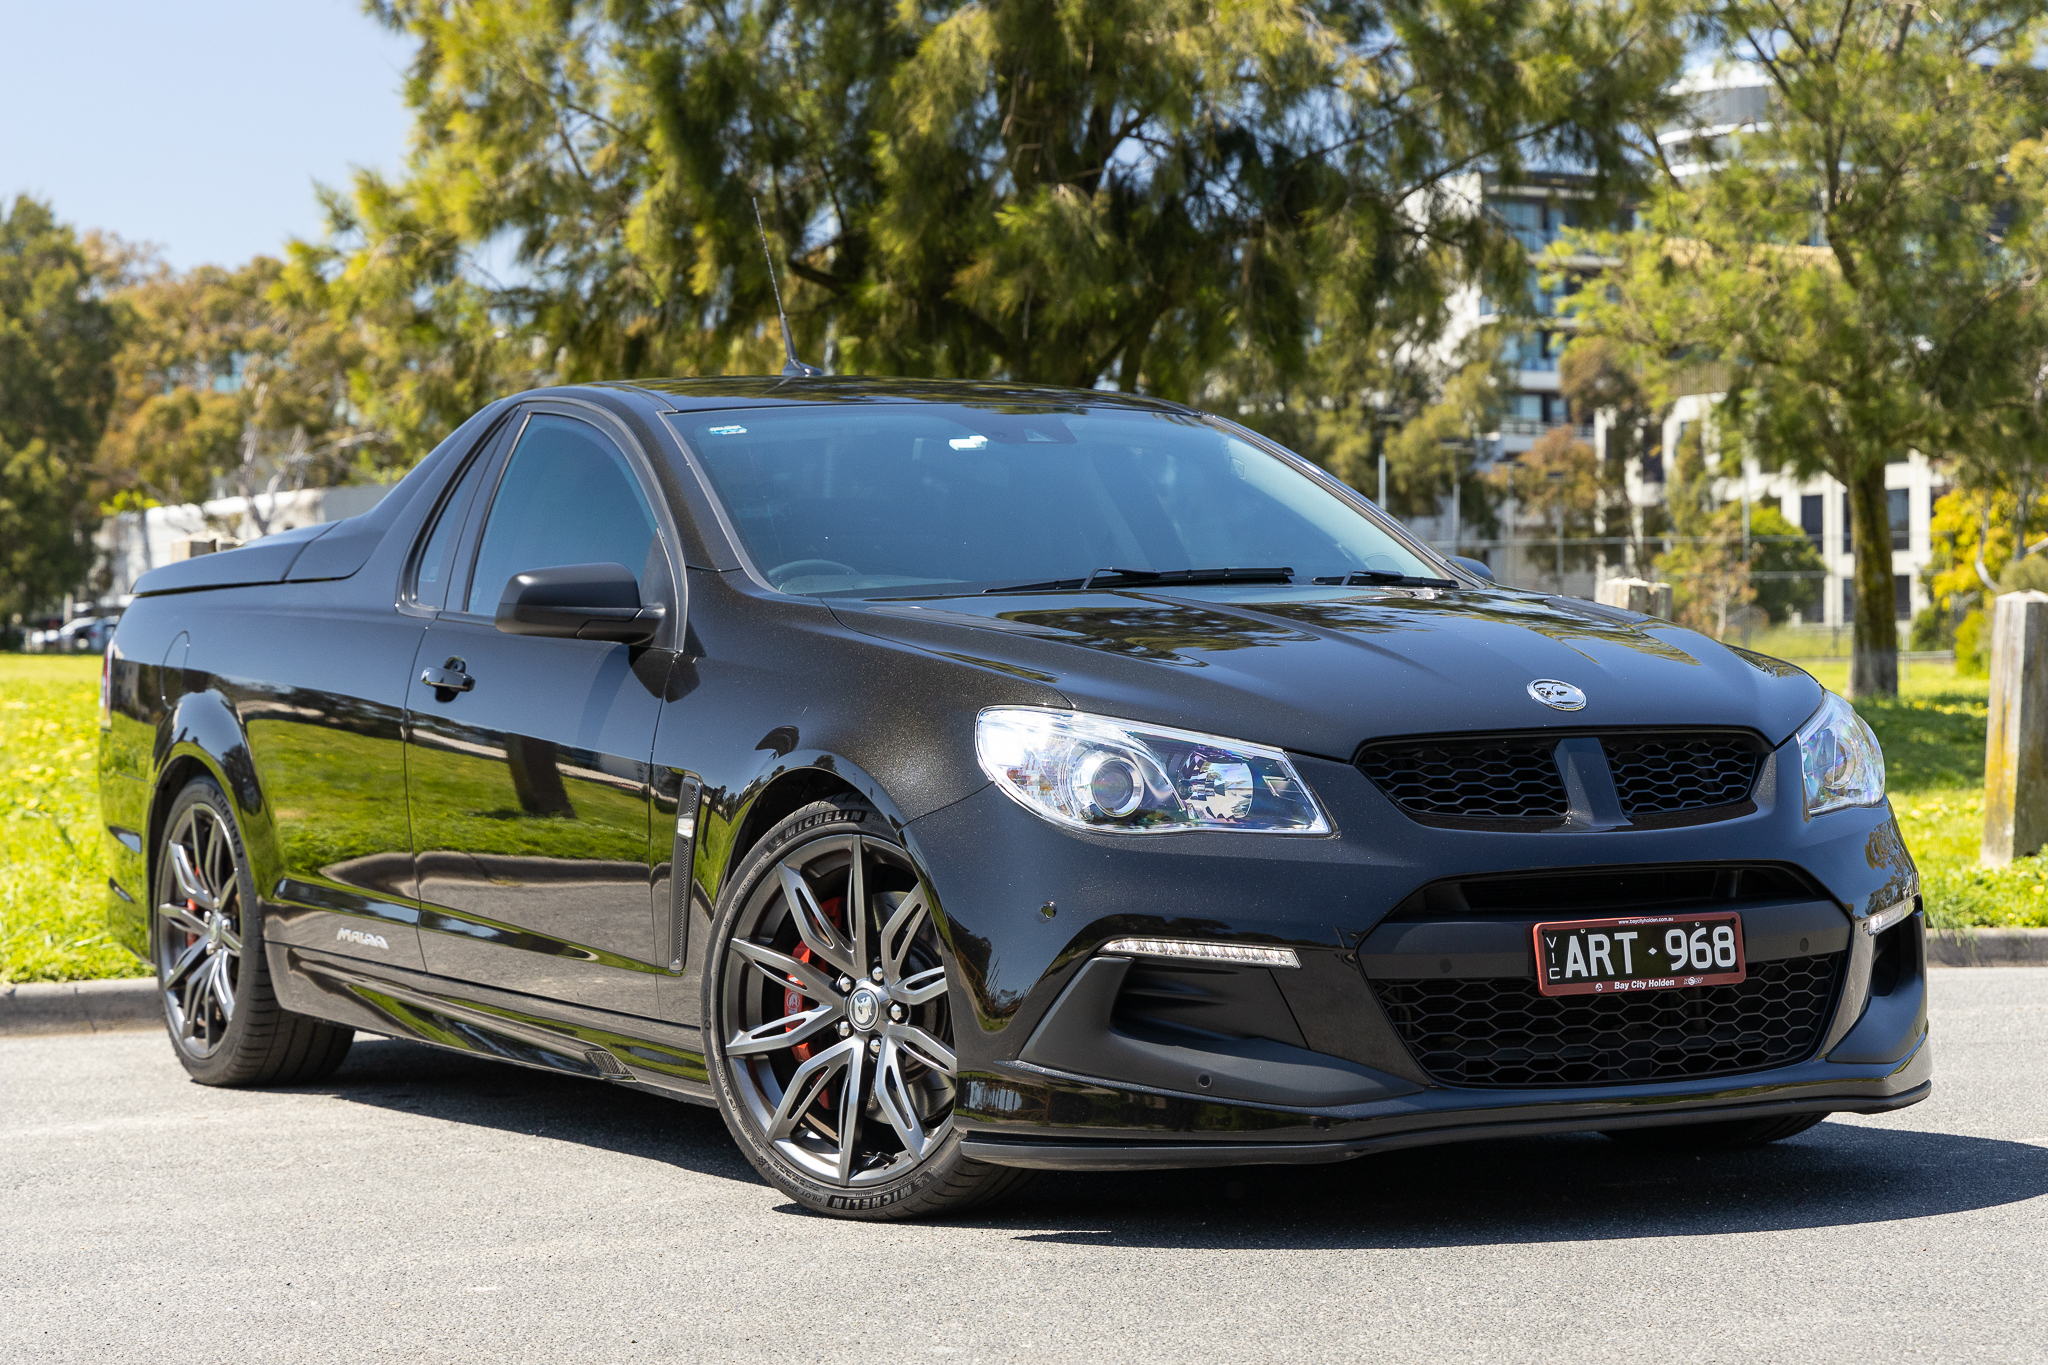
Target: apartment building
<point>1538,208</point>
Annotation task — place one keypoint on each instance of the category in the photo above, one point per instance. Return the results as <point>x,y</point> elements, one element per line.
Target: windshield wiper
<point>1385,578</point>
<point>1151,578</point>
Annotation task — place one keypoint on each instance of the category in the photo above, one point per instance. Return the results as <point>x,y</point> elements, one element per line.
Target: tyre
<point>206,940</point>
<point>828,1024</point>
<point>1735,1133</point>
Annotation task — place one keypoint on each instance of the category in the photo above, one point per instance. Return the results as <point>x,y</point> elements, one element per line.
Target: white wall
<point>133,543</point>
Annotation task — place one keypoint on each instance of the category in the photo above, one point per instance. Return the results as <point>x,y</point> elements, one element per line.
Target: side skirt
<point>645,1054</point>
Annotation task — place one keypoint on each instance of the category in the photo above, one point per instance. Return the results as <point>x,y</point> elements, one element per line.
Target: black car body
<point>455,830</point>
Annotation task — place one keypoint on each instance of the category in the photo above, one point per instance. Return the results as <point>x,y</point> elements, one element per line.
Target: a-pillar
<point>2016,742</point>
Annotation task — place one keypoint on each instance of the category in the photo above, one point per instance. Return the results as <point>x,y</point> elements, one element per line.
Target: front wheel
<point>207,940</point>
<point>828,1024</point>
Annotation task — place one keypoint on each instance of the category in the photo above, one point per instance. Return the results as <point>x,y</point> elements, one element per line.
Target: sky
<point>199,126</point>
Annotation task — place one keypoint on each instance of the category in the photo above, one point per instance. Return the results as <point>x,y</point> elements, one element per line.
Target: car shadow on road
<point>1576,1187</point>
<point>409,1077</point>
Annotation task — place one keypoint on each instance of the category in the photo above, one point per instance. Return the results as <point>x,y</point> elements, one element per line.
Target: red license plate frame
<point>1554,963</point>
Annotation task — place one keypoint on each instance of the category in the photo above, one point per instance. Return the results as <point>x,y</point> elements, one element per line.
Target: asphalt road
<point>427,1207</point>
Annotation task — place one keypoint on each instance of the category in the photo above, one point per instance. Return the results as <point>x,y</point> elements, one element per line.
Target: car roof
<point>737,391</point>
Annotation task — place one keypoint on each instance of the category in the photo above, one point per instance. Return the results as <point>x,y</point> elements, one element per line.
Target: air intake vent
<point>1501,1032</point>
<point>1654,775</point>
<point>1492,780</point>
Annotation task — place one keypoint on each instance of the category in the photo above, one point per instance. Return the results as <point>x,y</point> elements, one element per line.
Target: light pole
<point>1556,477</point>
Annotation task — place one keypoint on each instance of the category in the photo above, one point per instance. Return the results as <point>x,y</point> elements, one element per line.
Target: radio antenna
<point>791,368</point>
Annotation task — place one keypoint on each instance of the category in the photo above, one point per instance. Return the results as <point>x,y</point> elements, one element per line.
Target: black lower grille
<point>1664,776</point>
<point>1502,1032</point>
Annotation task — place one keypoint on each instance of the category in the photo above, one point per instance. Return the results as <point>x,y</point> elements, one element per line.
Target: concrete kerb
<point>79,1006</point>
<point>1987,947</point>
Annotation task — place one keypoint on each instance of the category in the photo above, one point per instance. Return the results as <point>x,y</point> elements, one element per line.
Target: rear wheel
<point>207,941</point>
<point>829,1024</point>
<point>1735,1133</point>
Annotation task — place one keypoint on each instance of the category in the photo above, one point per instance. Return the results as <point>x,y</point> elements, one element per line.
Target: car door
<point>326,731</point>
<point>527,772</point>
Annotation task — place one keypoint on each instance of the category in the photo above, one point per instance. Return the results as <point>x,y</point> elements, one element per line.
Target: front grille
<point>1512,779</point>
<point>1502,1032</point>
<point>1658,776</point>
<point>1517,781</point>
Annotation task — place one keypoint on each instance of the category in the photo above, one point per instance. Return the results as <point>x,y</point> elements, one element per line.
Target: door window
<point>436,563</point>
<point>567,497</point>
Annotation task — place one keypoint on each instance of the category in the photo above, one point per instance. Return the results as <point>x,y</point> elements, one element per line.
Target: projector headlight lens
<point>1839,760</point>
<point>1091,772</point>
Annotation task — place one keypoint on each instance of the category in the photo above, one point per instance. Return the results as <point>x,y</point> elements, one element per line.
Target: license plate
<point>1644,953</point>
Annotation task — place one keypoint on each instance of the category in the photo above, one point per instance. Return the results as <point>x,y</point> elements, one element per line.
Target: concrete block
<point>1636,594</point>
<point>193,546</point>
<point>2016,739</point>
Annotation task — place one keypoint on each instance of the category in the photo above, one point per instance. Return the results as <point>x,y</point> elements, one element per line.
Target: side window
<point>567,497</point>
<point>435,567</point>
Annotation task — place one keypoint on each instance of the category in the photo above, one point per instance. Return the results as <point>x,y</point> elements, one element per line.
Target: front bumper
<point>1305,1066</point>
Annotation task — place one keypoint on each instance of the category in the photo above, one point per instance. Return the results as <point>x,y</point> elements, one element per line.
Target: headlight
<point>1090,772</point>
<point>1839,759</point>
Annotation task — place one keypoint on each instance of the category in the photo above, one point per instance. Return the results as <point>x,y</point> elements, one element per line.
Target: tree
<point>1784,567</point>
<point>1848,261</point>
<point>1434,454</point>
<point>1596,375</point>
<point>1232,199</point>
<point>1556,484</point>
<point>226,379</point>
<point>57,333</point>
<point>1709,577</point>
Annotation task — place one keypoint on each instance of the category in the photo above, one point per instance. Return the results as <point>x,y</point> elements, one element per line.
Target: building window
<point>1812,508</point>
<point>1532,351</point>
<point>1902,595</point>
<point>1898,505</point>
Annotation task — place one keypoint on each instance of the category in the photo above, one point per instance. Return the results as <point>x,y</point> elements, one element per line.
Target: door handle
<point>448,680</point>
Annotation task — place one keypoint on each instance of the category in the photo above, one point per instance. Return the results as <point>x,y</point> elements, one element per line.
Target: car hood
<point>1321,670</point>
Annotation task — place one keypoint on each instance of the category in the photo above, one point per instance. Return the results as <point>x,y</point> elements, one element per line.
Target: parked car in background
<point>950,781</point>
<point>81,635</point>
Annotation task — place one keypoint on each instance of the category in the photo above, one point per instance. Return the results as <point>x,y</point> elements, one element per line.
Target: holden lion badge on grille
<point>1561,695</point>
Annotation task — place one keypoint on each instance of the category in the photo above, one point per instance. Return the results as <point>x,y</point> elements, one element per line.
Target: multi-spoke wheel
<point>199,930</point>
<point>830,1027</point>
<point>206,938</point>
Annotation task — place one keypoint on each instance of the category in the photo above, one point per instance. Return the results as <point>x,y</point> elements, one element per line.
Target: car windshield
<point>866,499</point>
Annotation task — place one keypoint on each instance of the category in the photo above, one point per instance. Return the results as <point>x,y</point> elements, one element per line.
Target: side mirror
<point>578,602</point>
<point>1474,566</point>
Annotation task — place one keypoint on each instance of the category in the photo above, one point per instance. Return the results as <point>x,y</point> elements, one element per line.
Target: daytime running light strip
<point>1204,952</point>
<point>1884,919</point>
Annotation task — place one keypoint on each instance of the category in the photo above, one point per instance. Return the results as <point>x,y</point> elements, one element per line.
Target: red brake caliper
<point>793,1000</point>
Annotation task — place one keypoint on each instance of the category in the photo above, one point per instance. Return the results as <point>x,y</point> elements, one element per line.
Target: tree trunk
<point>1874,655</point>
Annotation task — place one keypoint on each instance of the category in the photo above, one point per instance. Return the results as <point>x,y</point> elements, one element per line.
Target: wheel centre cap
<point>864,1007</point>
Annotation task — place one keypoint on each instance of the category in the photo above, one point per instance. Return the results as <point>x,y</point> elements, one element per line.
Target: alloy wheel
<point>199,931</point>
<point>834,1013</point>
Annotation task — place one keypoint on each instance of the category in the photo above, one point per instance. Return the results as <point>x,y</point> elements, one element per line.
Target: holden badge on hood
<point>1561,695</point>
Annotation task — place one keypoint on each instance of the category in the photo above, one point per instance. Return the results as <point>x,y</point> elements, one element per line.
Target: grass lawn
<point>1933,738</point>
<point>53,879</point>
